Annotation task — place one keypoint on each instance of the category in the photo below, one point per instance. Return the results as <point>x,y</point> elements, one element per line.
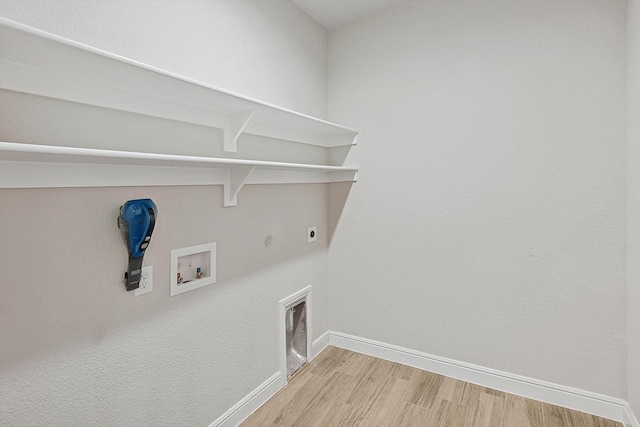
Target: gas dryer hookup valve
<point>136,222</point>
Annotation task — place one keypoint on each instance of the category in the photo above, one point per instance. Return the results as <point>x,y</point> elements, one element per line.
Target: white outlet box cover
<point>186,261</point>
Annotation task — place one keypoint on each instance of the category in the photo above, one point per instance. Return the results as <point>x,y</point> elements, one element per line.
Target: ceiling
<point>332,14</point>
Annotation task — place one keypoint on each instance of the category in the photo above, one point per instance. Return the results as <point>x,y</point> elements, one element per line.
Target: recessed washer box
<point>192,268</point>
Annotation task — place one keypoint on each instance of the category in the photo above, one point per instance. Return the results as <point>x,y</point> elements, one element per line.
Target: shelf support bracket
<point>235,127</point>
<point>235,180</point>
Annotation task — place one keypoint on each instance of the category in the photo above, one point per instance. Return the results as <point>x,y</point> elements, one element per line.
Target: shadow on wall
<point>338,195</point>
<point>67,240</point>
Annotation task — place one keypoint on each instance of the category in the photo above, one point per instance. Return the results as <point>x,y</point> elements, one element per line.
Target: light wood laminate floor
<point>343,388</point>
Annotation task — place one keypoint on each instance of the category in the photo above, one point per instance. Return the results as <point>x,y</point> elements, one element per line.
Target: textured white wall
<point>75,348</point>
<point>269,50</point>
<point>633,204</point>
<point>488,222</point>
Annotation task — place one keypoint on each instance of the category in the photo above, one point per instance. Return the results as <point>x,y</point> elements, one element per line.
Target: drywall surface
<point>75,347</point>
<point>271,50</point>
<point>488,222</point>
<point>633,204</point>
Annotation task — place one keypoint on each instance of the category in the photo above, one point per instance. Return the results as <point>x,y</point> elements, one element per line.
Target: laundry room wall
<point>75,347</point>
<point>488,222</point>
<point>633,204</point>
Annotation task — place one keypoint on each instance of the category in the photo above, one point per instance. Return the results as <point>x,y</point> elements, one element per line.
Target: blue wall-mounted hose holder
<point>136,222</point>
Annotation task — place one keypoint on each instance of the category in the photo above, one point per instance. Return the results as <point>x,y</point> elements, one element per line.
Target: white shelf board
<point>45,166</point>
<point>39,63</point>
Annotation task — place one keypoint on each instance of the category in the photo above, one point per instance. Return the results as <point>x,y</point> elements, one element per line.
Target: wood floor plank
<point>343,415</point>
<point>298,401</point>
<point>423,388</point>
<point>576,419</point>
<point>410,415</point>
<point>493,392</point>
<point>594,421</point>
<point>401,371</point>
<point>611,423</point>
<point>383,409</point>
<point>468,394</point>
<point>447,389</point>
<point>459,392</point>
<point>499,410</point>
<point>343,388</point>
<point>267,413</point>
<point>444,413</point>
<point>555,416</point>
<point>590,421</point>
<point>533,409</point>
<point>368,383</point>
<point>327,360</point>
<point>516,412</point>
<point>353,364</point>
<point>488,412</point>
<point>320,406</point>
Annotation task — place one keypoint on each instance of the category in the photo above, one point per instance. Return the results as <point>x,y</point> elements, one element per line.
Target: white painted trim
<point>294,299</point>
<point>18,151</point>
<point>630,419</point>
<point>320,344</point>
<point>250,403</point>
<point>568,397</point>
<point>33,166</point>
<point>39,66</point>
<point>258,397</point>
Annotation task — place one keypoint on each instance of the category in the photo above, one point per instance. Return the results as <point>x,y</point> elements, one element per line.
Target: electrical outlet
<point>146,281</point>
<point>312,235</point>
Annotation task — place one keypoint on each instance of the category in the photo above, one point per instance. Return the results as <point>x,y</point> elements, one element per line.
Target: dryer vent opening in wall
<point>296,337</point>
<point>295,332</point>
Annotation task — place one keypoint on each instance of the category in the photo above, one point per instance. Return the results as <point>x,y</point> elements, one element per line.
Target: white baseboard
<point>320,344</point>
<point>245,407</point>
<point>251,402</point>
<point>568,397</point>
<point>630,419</point>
